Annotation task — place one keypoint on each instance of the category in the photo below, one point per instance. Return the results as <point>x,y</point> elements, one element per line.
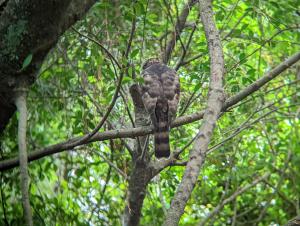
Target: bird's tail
<point>161,140</point>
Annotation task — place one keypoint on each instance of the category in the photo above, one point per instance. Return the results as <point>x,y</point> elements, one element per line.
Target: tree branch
<point>214,106</point>
<point>180,25</point>
<point>262,81</point>
<point>141,173</point>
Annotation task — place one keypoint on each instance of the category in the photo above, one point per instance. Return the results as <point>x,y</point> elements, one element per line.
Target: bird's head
<point>150,62</point>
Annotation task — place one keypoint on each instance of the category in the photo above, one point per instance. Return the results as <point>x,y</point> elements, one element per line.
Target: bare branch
<point>180,25</point>
<point>133,27</point>
<point>214,107</point>
<point>186,47</point>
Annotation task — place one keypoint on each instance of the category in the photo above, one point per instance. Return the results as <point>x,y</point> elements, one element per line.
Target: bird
<point>160,93</point>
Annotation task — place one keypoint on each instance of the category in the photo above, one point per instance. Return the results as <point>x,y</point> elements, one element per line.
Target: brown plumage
<point>160,94</point>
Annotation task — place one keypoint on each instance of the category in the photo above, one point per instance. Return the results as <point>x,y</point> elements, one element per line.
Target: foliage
<point>78,80</point>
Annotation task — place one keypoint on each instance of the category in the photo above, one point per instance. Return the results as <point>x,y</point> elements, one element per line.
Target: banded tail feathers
<point>161,140</point>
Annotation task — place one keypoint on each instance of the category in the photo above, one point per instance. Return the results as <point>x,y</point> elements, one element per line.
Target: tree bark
<point>24,177</point>
<point>141,172</point>
<point>30,28</point>
<point>214,106</point>
<point>179,26</point>
<point>139,179</point>
<point>294,222</point>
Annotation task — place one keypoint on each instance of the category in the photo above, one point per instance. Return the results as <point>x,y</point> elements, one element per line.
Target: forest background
<point>235,144</point>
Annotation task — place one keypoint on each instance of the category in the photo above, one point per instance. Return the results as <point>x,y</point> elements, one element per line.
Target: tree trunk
<point>30,29</point>
<point>141,172</point>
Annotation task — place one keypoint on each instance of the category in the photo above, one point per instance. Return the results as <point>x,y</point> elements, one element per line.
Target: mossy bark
<point>28,27</point>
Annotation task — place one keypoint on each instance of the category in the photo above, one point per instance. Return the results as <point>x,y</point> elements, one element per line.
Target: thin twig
<point>228,17</point>
<point>184,50</point>
<point>111,164</point>
<point>178,28</point>
<point>133,27</point>
<point>237,23</point>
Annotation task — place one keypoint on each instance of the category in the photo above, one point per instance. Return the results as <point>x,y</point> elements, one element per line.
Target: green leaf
<point>27,61</point>
<point>140,80</point>
<point>251,72</point>
<point>197,86</point>
<point>134,53</point>
<point>130,71</point>
<point>139,8</point>
<point>244,26</point>
<point>126,80</point>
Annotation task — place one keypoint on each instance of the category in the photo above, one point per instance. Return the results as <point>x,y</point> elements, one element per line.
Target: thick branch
<point>24,177</point>
<point>214,106</point>
<point>141,131</point>
<point>139,179</point>
<point>262,81</point>
<point>141,172</point>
